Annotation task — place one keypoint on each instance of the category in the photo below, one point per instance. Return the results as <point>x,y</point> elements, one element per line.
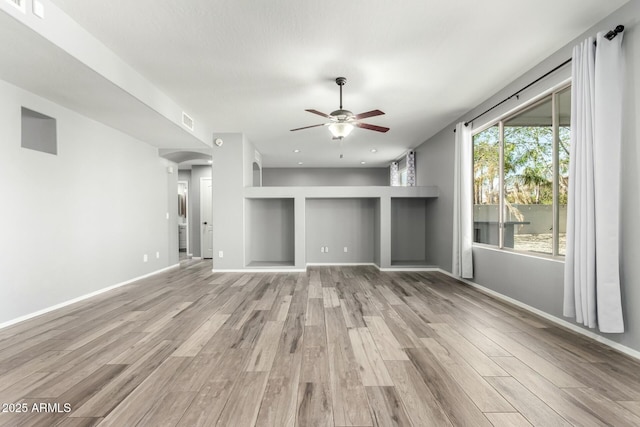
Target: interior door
<point>206,214</point>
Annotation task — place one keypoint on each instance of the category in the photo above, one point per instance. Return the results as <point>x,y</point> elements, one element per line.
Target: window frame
<point>499,121</point>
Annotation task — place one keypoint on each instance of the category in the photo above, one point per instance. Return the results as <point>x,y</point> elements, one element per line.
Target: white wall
<point>535,281</point>
<point>285,177</point>
<point>81,220</point>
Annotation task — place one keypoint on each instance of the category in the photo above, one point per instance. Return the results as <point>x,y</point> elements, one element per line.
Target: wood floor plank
<point>349,398</point>
<point>139,402</point>
<point>279,405</point>
<point>530,406</point>
<point>112,394</point>
<point>244,402</point>
<point>282,309</point>
<point>460,410</point>
<point>315,312</point>
<point>605,410</point>
<point>388,345</point>
<point>315,365</point>
<point>570,409</point>
<point>550,371</point>
<point>194,343</point>
<point>168,411</point>
<point>479,391</point>
<point>314,405</point>
<point>335,346</point>
<point>265,348</point>
<point>386,407</point>
<point>372,367</point>
<point>470,353</point>
<point>422,407</point>
<point>400,330</point>
<point>632,405</point>
<point>512,419</point>
<point>330,297</point>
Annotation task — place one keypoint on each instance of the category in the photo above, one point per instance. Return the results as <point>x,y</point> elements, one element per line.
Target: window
<point>521,177</point>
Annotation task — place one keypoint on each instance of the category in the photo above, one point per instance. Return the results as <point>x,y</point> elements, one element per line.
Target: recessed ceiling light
<point>363,163</point>
<point>299,163</point>
<point>296,151</point>
<point>373,150</point>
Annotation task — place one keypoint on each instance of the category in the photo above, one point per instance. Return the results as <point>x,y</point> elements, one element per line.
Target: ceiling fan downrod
<point>340,81</point>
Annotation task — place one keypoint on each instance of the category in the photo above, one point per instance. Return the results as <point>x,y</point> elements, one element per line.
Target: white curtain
<point>591,276</point>
<point>463,203</point>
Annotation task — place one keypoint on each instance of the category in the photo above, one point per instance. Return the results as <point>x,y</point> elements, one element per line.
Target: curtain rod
<point>609,36</point>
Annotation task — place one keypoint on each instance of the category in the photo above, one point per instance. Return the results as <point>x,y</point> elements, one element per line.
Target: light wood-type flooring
<point>336,346</point>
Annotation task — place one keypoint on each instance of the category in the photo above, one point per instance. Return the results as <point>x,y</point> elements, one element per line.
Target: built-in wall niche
<point>257,175</point>
<point>269,232</point>
<point>38,132</point>
<point>409,232</point>
<point>342,230</point>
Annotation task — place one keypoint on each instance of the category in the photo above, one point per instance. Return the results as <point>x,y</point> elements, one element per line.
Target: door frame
<point>187,222</point>
<point>202,187</point>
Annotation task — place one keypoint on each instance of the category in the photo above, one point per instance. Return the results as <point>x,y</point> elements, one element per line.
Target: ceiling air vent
<point>19,4</point>
<point>187,121</point>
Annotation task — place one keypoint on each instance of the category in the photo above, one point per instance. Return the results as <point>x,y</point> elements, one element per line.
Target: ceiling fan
<point>343,121</point>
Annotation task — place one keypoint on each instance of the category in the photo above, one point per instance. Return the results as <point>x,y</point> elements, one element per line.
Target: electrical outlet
<point>326,249</point>
<point>322,249</point>
<point>145,258</point>
<point>220,254</point>
<point>158,255</point>
<point>346,249</point>
<point>167,215</point>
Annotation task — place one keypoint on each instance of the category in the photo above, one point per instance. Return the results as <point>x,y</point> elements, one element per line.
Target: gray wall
<point>434,166</point>
<point>337,223</point>
<point>408,230</point>
<point>538,282</point>
<point>285,177</point>
<point>232,171</point>
<point>269,230</point>
<point>79,221</point>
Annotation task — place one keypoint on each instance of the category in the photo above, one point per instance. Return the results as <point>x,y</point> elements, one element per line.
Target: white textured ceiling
<point>255,66</point>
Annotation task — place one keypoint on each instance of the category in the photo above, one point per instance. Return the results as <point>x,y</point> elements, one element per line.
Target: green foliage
<point>528,165</point>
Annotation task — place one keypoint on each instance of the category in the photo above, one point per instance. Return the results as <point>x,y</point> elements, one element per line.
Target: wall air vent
<point>187,121</point>
<point>19,4</point>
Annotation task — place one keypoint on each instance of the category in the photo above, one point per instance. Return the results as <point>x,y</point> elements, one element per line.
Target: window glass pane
<point>486,185</point>
<point>564,135</point>
<point>528,180</point>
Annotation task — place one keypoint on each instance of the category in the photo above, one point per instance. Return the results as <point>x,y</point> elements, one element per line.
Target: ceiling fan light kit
<point>340,130</point>
<point>343,121</point>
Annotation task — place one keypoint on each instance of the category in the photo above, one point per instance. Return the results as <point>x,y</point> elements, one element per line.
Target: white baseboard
<point>340,264</point>
<point>83,297</point>
<point>260,270</point>
<point>561,322</point>
<point>391,269</point>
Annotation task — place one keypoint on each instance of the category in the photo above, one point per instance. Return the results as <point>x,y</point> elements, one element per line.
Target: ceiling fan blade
<point>319,113</point>
<point>307,127</point>
<point>371,113</point>
<point>372,127</point>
